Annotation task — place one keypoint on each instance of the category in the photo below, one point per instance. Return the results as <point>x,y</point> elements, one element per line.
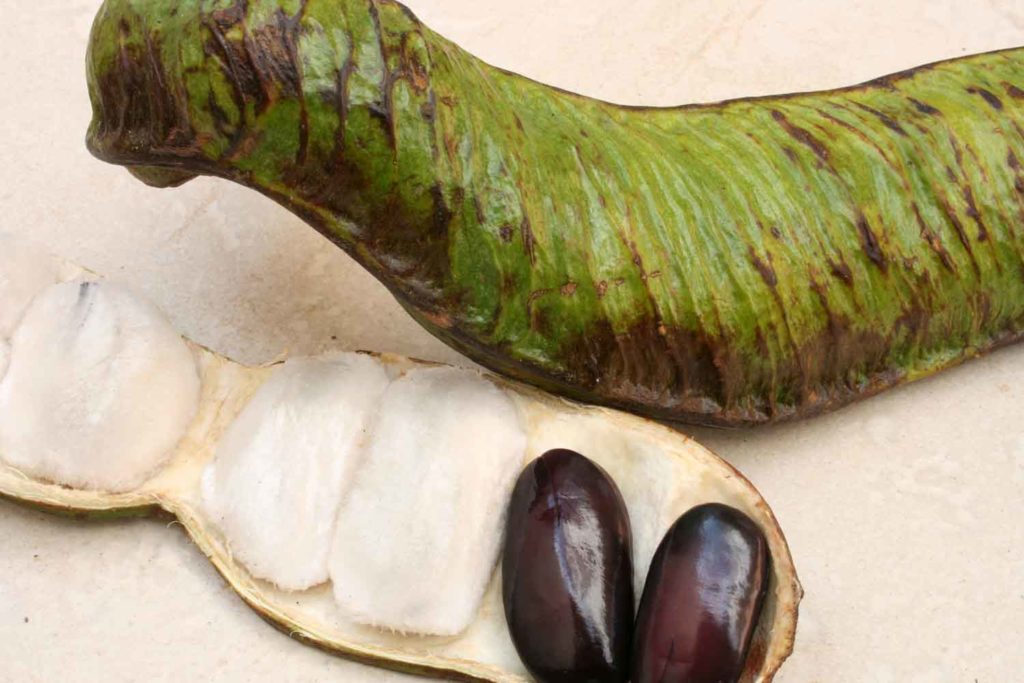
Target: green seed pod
<point>727,264</point>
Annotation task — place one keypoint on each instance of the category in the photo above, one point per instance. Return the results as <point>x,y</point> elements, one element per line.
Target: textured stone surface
<point>902,511</point>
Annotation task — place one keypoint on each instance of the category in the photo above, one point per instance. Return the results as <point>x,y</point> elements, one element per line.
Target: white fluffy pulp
<point>99,390</point>
<point>24,272</point>
<point>418,533</point>
<point>281,469</point>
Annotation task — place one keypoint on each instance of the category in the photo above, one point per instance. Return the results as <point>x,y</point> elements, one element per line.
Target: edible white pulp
<point>99,390</point>
<point>395,491</point>
<point>284,463</point>
<point>419,531</point>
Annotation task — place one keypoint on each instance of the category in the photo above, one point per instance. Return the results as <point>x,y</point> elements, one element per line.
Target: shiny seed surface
<point>702,599</point>
<point>567,572</point>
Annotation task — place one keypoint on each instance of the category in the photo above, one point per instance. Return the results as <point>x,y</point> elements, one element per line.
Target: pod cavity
<point>99,389</point>
<point>284,463</point>
<point>419,532</point>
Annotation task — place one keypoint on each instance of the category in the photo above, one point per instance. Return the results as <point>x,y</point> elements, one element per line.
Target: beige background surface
<point>904,512</point>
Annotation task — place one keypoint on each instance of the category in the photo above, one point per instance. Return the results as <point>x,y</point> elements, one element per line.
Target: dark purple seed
<point>567,572</point>
<point>702,599</point>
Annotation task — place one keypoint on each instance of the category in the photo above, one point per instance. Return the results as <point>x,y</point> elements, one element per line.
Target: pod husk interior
<point>661,474</point>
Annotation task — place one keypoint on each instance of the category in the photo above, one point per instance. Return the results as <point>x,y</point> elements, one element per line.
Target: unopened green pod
<point>728,264</point>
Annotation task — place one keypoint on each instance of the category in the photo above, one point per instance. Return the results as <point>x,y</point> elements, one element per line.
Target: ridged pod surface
<point>727,264</point>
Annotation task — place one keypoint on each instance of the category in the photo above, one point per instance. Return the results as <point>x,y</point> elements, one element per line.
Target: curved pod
<point>728,264</point>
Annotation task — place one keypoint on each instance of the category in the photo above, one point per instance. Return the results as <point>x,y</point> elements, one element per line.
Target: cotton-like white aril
<point>283,465</point>
<point>99,390</point>
<point>419,531</point>
<point>25,270</point>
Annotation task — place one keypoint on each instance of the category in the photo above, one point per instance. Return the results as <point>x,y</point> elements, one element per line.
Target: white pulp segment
<point>5,357</point>
<point>99,390</point>
<point>284,463</point>
<point>25,270</point>
<point>419,531</point>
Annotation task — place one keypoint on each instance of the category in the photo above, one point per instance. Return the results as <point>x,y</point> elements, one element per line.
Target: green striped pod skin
<point>726,264</point>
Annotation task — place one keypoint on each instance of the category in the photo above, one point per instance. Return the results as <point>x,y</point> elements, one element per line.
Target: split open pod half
<point>355,501</point>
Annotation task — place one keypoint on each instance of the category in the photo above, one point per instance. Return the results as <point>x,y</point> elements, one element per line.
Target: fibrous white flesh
<point>99,389</point>
<point>419,531</point>
<point>283,465</point>
<point>24,272</point>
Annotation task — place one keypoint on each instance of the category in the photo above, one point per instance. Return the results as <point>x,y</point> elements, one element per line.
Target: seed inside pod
<point>99,389</point>
<point>25,271</point>
<point>702,599</point>
<point>419,532</point>
<point>284,463</point>
<point>567,572</point>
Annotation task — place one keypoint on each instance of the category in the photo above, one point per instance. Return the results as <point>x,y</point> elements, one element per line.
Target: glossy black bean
<point>567,572</point>
<point>702,599</point>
